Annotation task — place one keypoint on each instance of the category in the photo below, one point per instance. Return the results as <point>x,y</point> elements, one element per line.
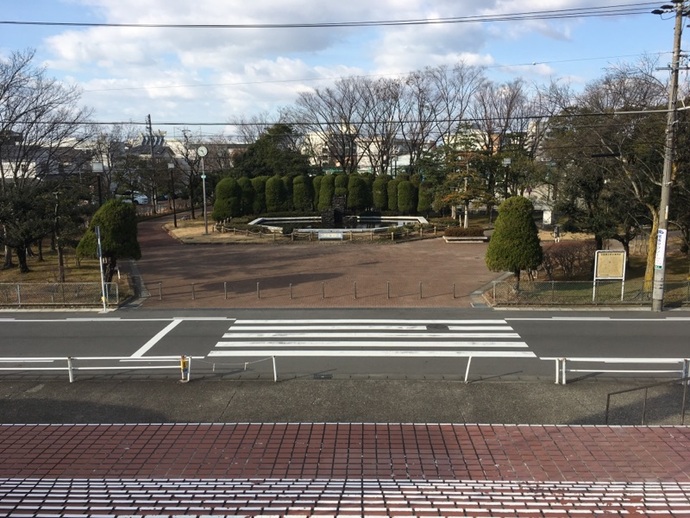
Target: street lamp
<point>97,169</point>
<point>678,7</point>
<point>202,152</point>
<point>171,168</point>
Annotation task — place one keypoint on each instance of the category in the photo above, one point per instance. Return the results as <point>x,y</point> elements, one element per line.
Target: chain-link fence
<point>573,293</point>
<point>60,294</point>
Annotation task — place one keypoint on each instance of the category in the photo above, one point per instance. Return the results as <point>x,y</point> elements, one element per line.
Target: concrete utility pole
<point>662,234</point>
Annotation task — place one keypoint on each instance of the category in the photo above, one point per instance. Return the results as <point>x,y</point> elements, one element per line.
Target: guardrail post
<point>70,373</point>
<point>19,295</point>
<point>563,380</point>
<point>467,370</point>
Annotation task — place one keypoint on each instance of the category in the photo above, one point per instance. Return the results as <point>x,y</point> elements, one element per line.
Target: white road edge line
<point>148,345</point>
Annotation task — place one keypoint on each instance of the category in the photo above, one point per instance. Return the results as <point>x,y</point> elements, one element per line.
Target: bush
<point>464,232</point>
<point>569,259</point>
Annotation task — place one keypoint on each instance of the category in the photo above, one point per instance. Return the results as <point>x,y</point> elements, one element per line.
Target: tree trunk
<point>8,263</point>
<point>21,258</point>
<point>111,267</point>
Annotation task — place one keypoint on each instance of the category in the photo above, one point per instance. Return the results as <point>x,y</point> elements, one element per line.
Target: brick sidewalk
<point>337,469</point>
<point>429,273</point>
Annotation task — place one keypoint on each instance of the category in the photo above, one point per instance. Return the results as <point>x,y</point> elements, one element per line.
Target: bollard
<point>420,290</point>
<point>454,295</point>
<point>323,290</point>
<point>258,291</point>
<point>184,368</point>
<point>290,291</point>
<point>193,292</point>
<point>388,289</point>
<point>355,289</point>
<point>69,369</point>
<point>225,289</point>
<point>160,291</point>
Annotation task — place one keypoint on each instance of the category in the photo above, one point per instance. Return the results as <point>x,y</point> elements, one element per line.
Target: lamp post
<point>97,168</point>
<point>678,7</point>
<point>171,168</point>
<point>202,152</point>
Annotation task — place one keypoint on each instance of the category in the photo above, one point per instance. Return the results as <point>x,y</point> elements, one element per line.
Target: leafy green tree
<point>302,193</point>
<point>27,215</point>
<point>326,192</point>
<point>275,194</point>
<point>259,185</point>
<point>514,245</point>
<point>380,193</point>
<point>392,188</point>
<point>248,195</point>
<point>424,198</point>
<point>316,188</point>
<point>357,193</point>
<point>407,197</point>
<point>274,152</point>
<point>118,225</point>
<point>228,200</point>
<point>341,182</point>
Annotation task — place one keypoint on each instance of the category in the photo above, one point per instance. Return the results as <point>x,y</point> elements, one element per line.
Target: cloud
<point>217,74</point>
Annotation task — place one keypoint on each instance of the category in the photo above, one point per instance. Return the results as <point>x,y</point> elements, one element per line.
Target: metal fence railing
<point>573,293</point>
<point>26,294</point>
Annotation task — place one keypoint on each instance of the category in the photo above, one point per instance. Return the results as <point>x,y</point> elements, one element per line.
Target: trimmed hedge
<point>464,232</point>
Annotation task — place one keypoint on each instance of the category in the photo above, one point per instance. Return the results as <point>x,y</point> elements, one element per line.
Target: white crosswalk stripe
<point>371,337</point>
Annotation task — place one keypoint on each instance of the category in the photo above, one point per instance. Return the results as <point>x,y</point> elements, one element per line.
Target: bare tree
<point>41,130</point>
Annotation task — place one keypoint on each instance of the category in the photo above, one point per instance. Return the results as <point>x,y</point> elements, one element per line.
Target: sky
<point>202,79</point>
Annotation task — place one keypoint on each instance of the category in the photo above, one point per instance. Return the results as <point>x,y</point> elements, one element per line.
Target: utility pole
<point>153,160</point>
<point>662,234</point>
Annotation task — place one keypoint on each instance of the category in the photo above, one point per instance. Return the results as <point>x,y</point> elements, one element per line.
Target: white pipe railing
<point>71,364</point>
<point>562,367</point>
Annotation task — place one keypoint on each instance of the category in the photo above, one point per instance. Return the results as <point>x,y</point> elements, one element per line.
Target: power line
<point>555,14</point>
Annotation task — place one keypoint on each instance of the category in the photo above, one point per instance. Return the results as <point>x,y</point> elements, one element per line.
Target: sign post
<point>609,265</point>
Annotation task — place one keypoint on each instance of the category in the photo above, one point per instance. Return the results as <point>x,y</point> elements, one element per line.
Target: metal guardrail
<point>562,369</point>
<point>573,293</point>
<point>646,388</point>
<point>25,294</point>
<point>72,364</point>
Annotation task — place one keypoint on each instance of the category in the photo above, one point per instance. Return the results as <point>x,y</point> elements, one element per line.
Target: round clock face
<point>202,151</point>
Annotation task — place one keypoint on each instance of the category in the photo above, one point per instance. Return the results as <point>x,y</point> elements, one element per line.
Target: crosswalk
<point>371,338</point>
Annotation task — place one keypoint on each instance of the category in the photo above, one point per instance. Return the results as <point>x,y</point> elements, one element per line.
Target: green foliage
<point>326,192</point>
<point>259,185</point>
<point>228,200</point>
<point>248,195</point>
<point>276,195</point>
<point>358,194</point>
<point>407,197</point>
<point>424,198</point>
<point>274,152</point>
<point>118,224</point>
<point>456,231</point>
<point>341,182</point>
<point>514,245</point>
<point>302,193</point>
<point>392,189</point>
<point>380,192</point>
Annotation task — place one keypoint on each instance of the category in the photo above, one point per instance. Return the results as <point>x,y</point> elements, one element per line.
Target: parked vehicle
<point>135,197</point>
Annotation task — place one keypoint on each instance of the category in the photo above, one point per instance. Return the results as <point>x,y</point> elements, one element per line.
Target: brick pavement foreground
<point>307,469</point>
